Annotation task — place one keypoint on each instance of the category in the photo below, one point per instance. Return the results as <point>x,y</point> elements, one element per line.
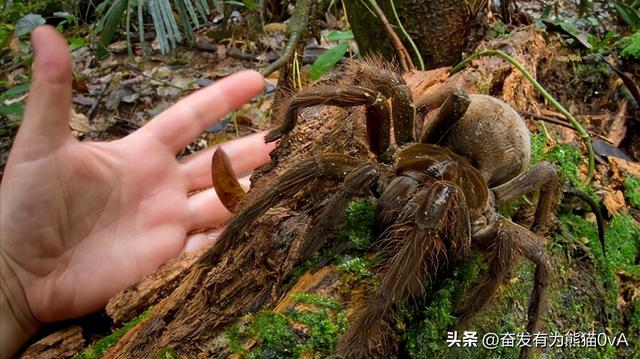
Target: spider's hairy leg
<point>358,183</point>
<point>225,182</point>
<point>395,197</point>
<point>375,73</point>
<point>503,258</point>
<point>512,242</point>
<point>450,112</point>
<point>532,248</point>
<point>378,114</point>
<point>543,176</point>
<point>333,166</point>
<point>442,228</point>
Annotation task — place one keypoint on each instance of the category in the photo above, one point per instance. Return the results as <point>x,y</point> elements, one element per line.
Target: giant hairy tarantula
<point>435,194</point>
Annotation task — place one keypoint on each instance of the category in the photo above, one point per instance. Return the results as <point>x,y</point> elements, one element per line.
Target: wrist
<point>17,324</point>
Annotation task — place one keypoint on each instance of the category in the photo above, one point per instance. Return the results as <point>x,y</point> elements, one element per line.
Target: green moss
<point>280,335</point>
<point>356,229</point>
<point>317,300</point>
<point>323,328</point>
<point>577,230</point>
<point>324,323</point>
<point>235,339</point>
<point>499,29</point>
<point>100,347</point>
<point>622,241</point>
<point>567,159</point>
<point>582,297</point>
<point>598,305</point>
<point>632,191</point>
<point>273,333</point>
<point>313,263</point>
<point>178,61</point>
<point>427,339</point>
<point>630,46</point>
<point>357,224</point>
<point>166,353</point>
<point>355,269</point>
<point>270,330</point>
<point>538,145</point>
<point>623,245</point>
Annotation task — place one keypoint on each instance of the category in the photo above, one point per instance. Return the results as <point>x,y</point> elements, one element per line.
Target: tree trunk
<point>441,29</point>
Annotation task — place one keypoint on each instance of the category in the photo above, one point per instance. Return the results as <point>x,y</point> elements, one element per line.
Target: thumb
<point>45,125</point>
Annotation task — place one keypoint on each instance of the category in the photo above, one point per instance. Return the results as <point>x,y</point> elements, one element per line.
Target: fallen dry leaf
<point>14,45</point>
<point>618,127</point>
<point>79,122</point>
<point>617,164</point>
<point>613,200</point>
<point>275,26</point>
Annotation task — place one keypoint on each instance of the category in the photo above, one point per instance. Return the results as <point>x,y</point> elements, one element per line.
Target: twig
<point>559,122</point>
<point>406,34</point>
<point>296,79</point>
<point>92,110</point>
<point>165,83</point>
<point>238,54</point>
<point>403,55</point>
<point>594,208</point>
<point>578,127</point>
<point>297,25</point>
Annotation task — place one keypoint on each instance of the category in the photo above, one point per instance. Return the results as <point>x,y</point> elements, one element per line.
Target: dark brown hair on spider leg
<point>372,87</point>
<point>542,176</point>
<point>508,242</point>
<point>358,183</point>
<point>329,165</point>
<point>432,226</point>
<point>378,114</point>
<point>452,110</point>
<point>375,73</point>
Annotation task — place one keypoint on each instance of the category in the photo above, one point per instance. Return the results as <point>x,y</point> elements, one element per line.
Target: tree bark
<point>441,29</point>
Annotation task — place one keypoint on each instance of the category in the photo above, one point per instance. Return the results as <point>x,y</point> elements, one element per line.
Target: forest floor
<point>592,292</point>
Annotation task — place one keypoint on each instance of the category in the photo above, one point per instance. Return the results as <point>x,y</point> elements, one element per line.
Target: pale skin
<point>80,221</point>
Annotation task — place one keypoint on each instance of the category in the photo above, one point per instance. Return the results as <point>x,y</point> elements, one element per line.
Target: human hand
<point>80,221</point>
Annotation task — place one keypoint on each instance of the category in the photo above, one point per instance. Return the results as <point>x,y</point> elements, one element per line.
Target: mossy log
<point>246,303</point>
<point>254,273</point>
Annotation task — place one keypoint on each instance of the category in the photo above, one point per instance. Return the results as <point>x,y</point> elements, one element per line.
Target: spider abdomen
<point>494,137</point>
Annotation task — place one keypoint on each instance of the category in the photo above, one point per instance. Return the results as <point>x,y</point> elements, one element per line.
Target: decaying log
<point>65,343</point>
<point>195,299</point>
<point>135,299</point>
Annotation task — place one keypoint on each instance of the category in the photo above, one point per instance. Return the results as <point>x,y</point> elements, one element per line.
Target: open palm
<point>80,221</point>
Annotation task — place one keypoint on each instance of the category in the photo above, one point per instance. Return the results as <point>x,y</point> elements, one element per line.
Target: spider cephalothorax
<point>435,194</point>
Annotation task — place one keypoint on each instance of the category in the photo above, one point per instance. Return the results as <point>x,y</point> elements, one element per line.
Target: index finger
<point>181,123</point>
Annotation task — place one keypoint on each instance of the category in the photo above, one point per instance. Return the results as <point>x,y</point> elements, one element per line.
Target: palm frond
<point>191,14</point>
